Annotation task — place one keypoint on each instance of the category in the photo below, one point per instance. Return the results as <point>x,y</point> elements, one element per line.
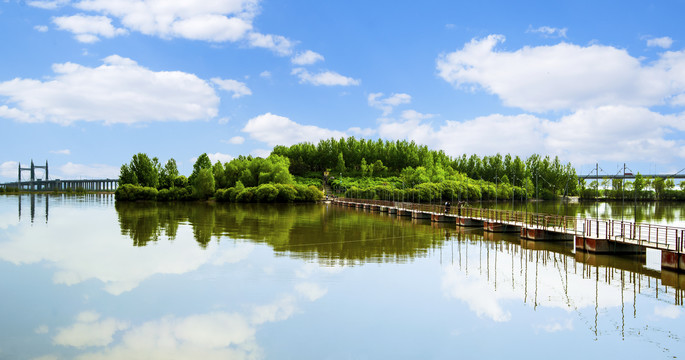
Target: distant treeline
<point>245,179</point>
<point>404,165</point>
<point>641,188</point>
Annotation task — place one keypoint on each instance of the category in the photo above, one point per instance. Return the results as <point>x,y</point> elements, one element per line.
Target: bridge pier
<point>420,215</point>
<point>445,218</point>
<point>544,235</point>
<point>672,260</point>
<point>607,246</point>
<point>466,221</point>
<point>500,227</point>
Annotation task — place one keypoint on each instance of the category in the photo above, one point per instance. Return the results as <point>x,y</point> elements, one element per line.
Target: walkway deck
<point>591,235</point>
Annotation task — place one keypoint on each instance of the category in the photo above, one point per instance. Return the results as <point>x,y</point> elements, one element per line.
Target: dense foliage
<point>405,167</point>
<point>398,170</point>
<point>245,179</point>
<point>641,188</point>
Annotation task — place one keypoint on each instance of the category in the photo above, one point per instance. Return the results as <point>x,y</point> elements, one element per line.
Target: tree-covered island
<point>359,168</point>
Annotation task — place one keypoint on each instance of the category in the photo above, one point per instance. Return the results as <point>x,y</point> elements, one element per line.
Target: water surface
<point>85,278</point>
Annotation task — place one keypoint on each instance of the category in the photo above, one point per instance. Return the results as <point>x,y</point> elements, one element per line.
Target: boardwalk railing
<point>654,236</point>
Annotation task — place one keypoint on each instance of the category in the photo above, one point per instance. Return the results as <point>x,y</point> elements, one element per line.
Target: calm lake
<point>85,278</point>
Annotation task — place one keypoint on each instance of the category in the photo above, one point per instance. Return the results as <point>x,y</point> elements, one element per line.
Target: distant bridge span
<point>46,184</point>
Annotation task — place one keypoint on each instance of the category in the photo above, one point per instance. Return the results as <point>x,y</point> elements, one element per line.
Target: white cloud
<point>548,31</point>
<point>93,171</point>
<point>48,5</point>
<point>61,152</point>
<point>88,28</point>
<point>217,335</point>
<point>311,291</point>
<point>477,295</point>
<point>210,27</point>
<point>277,311</point>
<point>265,74</point>
<point>262,153</point>
<point>662,42</point>
<point>236,87</point>
<point>8,169</point>
<point>326,78</point>
<point>83,260</point>
<point>41,28</point>
<point>88,331</point>
<point>219,157</point>
<point>215,21</point>
<point>612,133</point>
<point>119,91</point>
<point>366,132</point>
<point>307,58</point>
<point>387,104</point>
<point>280,45</point>
<point>236,140</point>
<point>279,130</point>
<point>563,76</point>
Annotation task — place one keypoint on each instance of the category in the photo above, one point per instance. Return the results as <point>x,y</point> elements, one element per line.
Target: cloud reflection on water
<point>80,251</point>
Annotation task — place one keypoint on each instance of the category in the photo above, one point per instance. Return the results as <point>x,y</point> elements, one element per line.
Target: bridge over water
<point>45,184</point>
<point>600,236</point>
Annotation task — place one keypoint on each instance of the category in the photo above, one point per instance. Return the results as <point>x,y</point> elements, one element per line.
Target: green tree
<point>127,176</point>
<point>639,183</point>
<point>203,187</point>
<point>145,169</point>
<point>168,174</point>
<point>202,162</point>
<point>659,187</point>
<point>340,166</point>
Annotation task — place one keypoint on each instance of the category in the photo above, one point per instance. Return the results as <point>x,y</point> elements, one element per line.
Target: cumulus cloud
<point>325,78</point>
<point>548,31</point>
<point>212,21</point>
<point>220,157</point>
<point>563,76</point>
<point>217,335</point>
<point>236,87</point>
<point>307,58</point>
<point>614,133</point>
<point>311,291</point>
<point>8,169</point>
<point>611,133</point>
<point>361,132</point>
<point>662,42</point>
<point>41,28</point>
<point>279,130</point>
<point>119,91</point>
<point>236,140</point>
<point>93,171</point>
<point>88,29</point>
<point>390,102</point>
<point>83,260</point>
<point>48,5</point>
<point>215,21</point>
<point>265,74</point>
<point>88,331</point>
<point>262,153</point>
<point>280,45</point>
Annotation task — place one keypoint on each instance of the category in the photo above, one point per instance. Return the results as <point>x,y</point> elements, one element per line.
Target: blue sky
<point>86,84</point>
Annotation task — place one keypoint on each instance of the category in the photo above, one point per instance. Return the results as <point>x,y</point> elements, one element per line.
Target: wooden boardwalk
<point>591,235</point>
